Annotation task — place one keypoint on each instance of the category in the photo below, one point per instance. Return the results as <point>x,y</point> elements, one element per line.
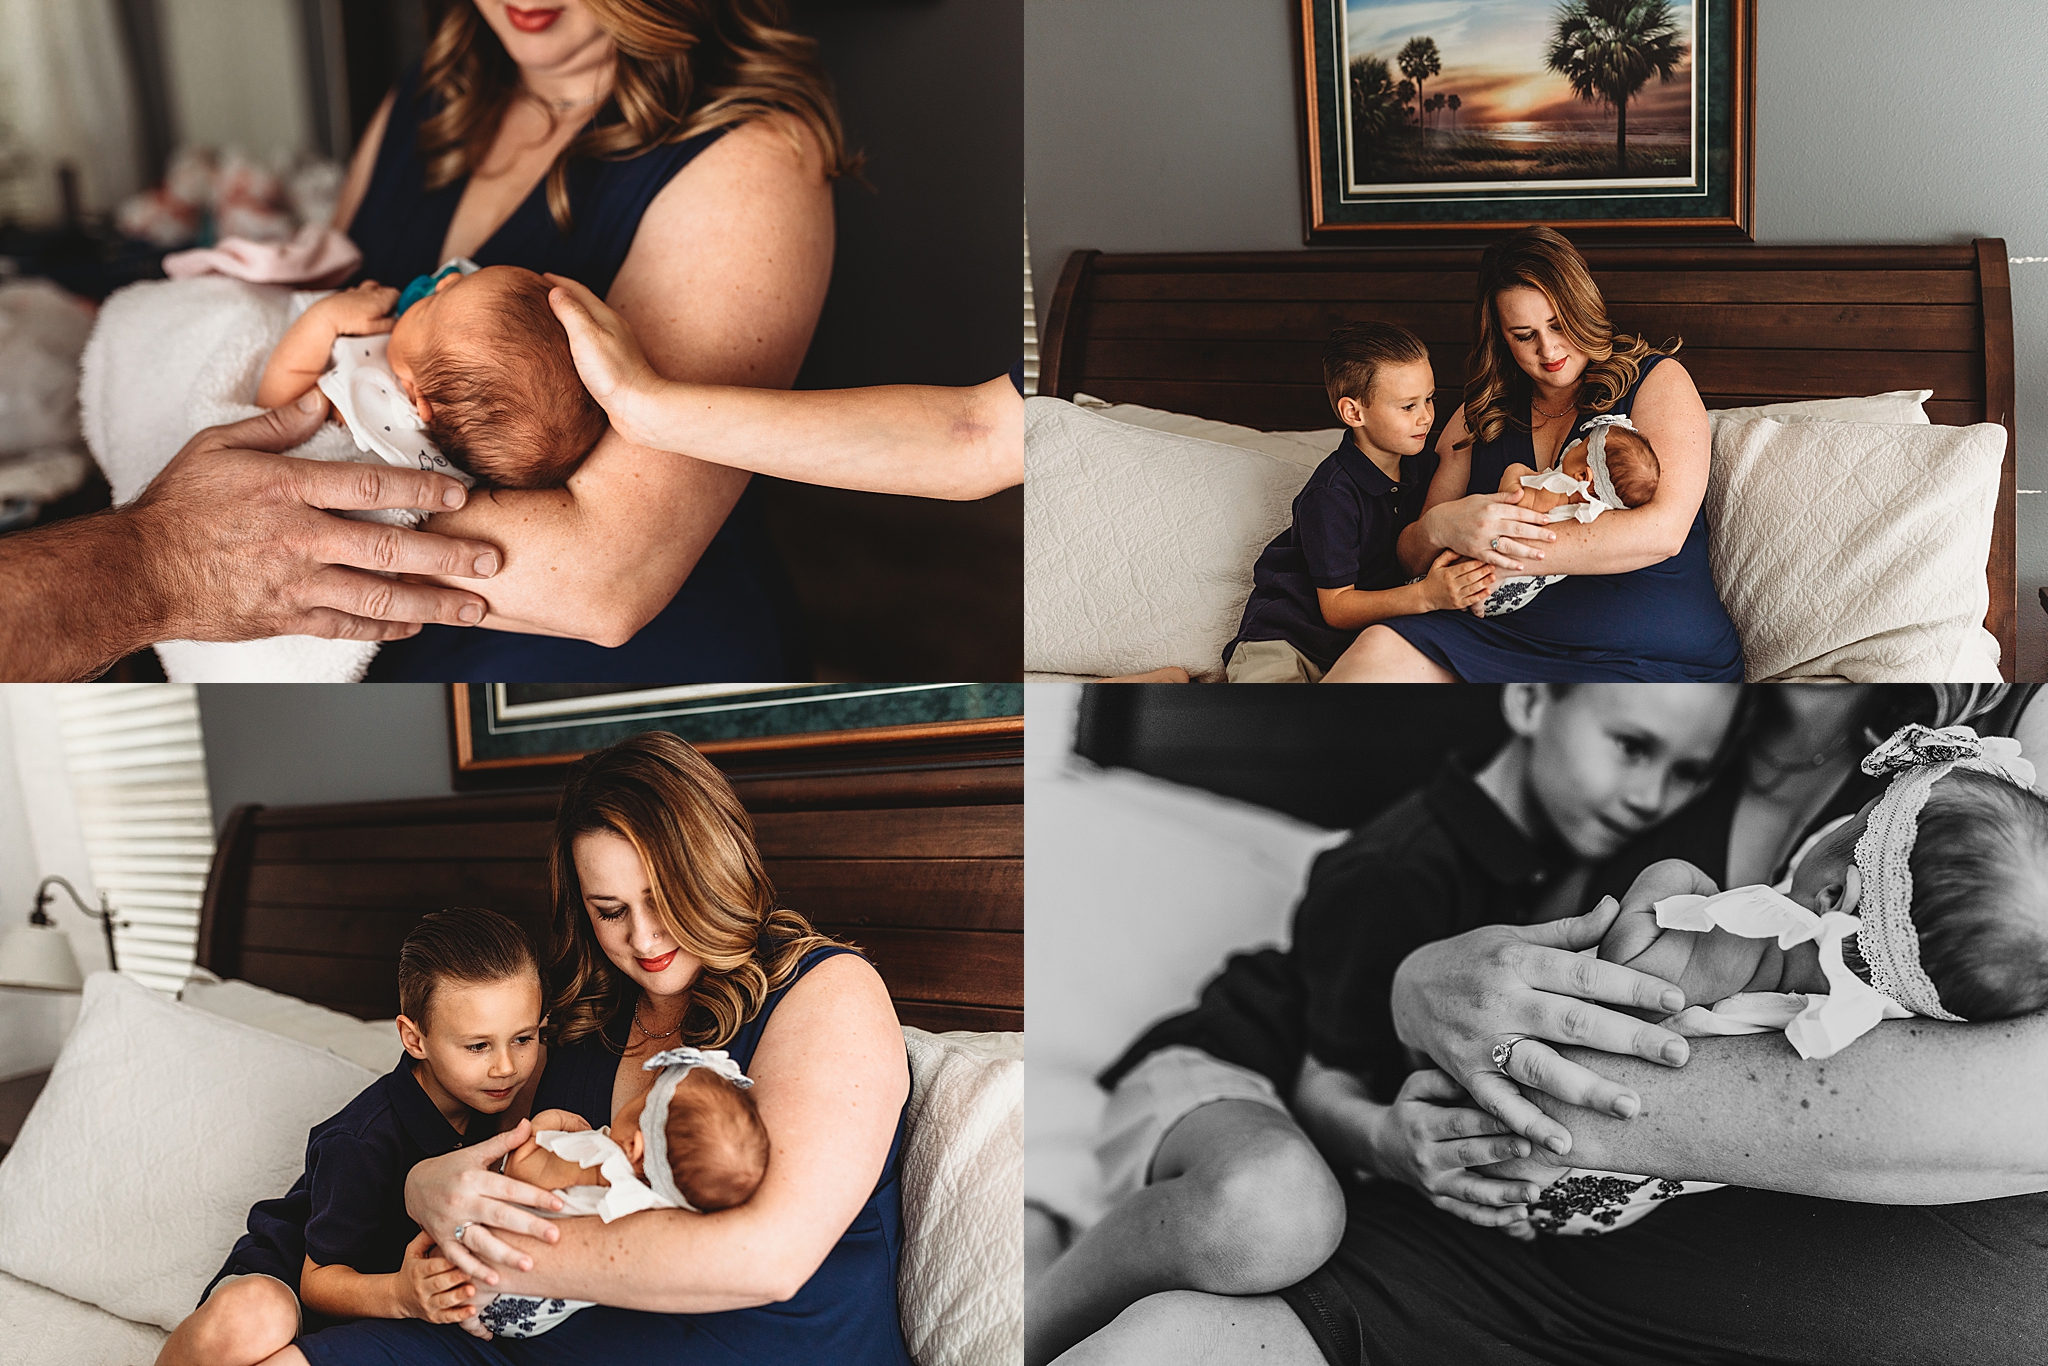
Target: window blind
<point>1030,317</point>
<point>138,774</point>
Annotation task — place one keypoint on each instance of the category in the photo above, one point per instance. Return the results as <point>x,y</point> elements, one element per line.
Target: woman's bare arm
<point>1469,525</point>
<point>830,1078</point>
<point>1917,1112</point>
<point>723,285</point>
<point>1669,413</point>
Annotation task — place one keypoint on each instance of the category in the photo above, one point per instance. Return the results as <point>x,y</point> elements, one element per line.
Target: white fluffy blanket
<point>166,359</point>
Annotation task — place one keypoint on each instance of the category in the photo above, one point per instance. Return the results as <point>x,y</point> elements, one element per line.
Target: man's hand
<point>1454,582</point>
<point>234,544</point>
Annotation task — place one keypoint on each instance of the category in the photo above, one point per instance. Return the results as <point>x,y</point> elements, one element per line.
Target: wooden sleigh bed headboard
<point>923,870</point>
<point>1238,337</point>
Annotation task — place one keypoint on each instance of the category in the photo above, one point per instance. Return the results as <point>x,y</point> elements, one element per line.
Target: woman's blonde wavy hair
<point>709,887</point>
<point>1497,390</point>
<point>683,67</point>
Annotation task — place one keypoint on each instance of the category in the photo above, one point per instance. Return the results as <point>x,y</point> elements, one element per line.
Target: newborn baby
<point>702,1148</point>
<point>473,362</point>
<point>1613,466</point>
<point>1929,901</point>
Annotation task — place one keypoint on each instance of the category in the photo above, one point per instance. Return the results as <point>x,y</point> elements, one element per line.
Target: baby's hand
<point>1456,583</point>
<point>568,1121</point>
<point>606,355</point>
<point>363,311</point>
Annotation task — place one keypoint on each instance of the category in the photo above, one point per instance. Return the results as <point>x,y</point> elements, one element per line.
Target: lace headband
<point>676,1063</point>
<point>1599,489</point>
<point>1918,758</point>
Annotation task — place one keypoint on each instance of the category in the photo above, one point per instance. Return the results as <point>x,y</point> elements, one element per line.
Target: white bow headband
<point>1918,758</point>
<point>676,1063</point>
<point>1600,488</point>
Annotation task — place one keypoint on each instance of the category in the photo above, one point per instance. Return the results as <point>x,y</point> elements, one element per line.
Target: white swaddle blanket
<point>170,357</point>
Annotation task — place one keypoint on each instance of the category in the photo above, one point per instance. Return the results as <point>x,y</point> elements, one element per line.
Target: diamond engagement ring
<point>461,1229</point>
<point>1494,545</point>
<point>1505,1050</point>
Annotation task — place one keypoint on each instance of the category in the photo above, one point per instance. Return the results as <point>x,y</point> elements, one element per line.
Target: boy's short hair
<point>512,411</point>
<point>717,1145</point>
<point>1980,895</point>
<point>465,944</point>
<point>1356,353</point>
<point>1632,465</point>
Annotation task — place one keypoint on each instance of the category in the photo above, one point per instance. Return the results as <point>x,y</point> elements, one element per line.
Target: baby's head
<point>487,365</point>
<point>717,1147</point>
<point>1980,892</point>
<point>1631,463</point>
<point>469,1000</point>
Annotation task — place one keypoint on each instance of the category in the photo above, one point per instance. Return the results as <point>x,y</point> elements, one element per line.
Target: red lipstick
<point>532,20</point>
<point>651,965</point>
<point>1558,365</point>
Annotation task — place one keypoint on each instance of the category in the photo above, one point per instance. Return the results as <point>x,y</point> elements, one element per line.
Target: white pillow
<point>39,1327</point>
<point>159,1127</point>
<point>1138,545</point>
<point>1303,448</point>
<point>960,1284</point>
<point>367,1043</point>
<point>1853,549</point>
<point>1900,406</point>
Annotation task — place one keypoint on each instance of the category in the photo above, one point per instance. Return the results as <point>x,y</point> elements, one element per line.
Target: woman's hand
<point>443,1194</point>
<point>432,1287</point>
<point>1454,1000</point>
<point>607,355</point>
<point>1431,1138</point>
<point>1491,527</point>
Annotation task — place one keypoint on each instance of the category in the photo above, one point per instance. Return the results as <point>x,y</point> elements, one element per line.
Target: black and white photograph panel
<point>1614,1023</point>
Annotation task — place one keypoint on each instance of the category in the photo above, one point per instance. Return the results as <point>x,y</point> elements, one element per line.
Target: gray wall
<point>1173,125</point>
<point>287,743</point>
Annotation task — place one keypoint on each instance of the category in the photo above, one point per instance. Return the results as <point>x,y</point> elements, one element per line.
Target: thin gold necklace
<point>645,1032</point>
<point>1547,413</point>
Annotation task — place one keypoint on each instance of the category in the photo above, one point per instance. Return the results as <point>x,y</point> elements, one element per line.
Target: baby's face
<point>1821,884</point>
<point>451,315</point>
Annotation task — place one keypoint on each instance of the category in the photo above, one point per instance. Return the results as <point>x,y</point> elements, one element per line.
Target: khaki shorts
<point>1157,1094</point>
<point>1270,661</point>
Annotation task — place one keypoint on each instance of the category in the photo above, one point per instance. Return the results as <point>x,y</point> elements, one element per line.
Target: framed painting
<point>515,730</point>
<point>1600,117</point>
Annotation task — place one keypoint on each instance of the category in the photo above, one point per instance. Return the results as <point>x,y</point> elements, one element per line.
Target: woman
<point>1640,602</point>
<point>1922,1116</point>
<point>666,932</point>
<point>675,156</point>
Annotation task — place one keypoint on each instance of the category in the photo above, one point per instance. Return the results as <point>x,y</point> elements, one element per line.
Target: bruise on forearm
<point>75,598</point>
<point>1915,1112</point>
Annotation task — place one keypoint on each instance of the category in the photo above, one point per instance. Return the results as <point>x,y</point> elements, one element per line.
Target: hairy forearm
<point>663,1261</point>
<point>75,597</point>
<point>342,1292</point>
<point>1915,1112</point>
<point>599,559</point>
<point>926,440</point>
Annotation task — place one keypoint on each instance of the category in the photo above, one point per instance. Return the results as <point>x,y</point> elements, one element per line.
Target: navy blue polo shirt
<point>1347,519</point>
<point>348,1206</point>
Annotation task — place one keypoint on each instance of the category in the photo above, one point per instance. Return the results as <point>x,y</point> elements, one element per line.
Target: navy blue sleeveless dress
<point>1662,623</point>
<point>845,1314</point>
<point>734,618</point>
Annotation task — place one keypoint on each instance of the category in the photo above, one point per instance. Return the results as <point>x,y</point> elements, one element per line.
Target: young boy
<point>1334,571</point>
<point>340,1245</point>
<point>1213,1185</point>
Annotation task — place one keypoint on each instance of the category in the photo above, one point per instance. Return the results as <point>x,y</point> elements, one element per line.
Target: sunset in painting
<point>1445,93</point>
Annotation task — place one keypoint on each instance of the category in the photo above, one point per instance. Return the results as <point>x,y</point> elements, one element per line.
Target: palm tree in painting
<point>1418,61</point>
<point>1405,93</point>
<point>1375,110</point>
<point>1609,49</point>
<point>1435,103</point>
<point>1454,102</point>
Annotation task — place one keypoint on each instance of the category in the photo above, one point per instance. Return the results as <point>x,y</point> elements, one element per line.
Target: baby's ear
<point>635,1147</point>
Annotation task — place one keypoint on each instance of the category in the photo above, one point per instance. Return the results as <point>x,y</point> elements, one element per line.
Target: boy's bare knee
<point>247,1320</point>
<point>1273,1213</point>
